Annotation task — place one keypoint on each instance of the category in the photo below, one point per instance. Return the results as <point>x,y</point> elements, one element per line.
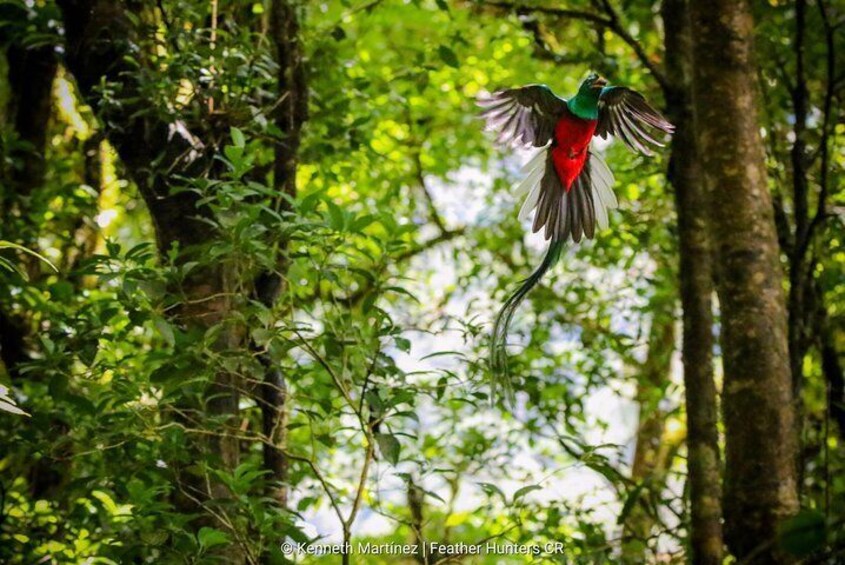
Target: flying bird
<point>568,186</point>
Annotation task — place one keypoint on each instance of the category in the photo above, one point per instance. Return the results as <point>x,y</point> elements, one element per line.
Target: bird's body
<point>568,186</point>
<point>569,149</point>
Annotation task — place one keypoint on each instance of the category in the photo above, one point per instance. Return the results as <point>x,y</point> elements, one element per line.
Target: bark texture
<point>760,474</point>
<point>696,289</point>
<point>31,74</point>
<point>98,47</point>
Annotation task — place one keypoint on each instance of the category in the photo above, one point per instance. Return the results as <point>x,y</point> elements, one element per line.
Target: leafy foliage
<point>394,253</point>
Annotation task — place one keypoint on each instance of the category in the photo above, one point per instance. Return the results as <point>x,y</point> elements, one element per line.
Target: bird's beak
<point>600,82</point>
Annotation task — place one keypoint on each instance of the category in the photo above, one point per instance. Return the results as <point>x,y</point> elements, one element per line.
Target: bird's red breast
<point>569,152</point>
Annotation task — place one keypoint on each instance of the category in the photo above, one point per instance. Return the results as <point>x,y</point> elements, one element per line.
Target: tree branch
<point>828,112</point>
<point>559,12</point>
<point>619,29</point>
<point>609,20</point>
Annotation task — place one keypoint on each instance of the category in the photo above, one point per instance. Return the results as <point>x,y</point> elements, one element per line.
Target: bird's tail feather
<point>501,377</point>
<point>565,214</point>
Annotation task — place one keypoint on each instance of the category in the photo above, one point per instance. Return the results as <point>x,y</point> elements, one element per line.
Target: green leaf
<point>9,266</point>
<point>374,400</point>
<point>410,414</point>
<point>48,344</point>
<point>400,290</point>
<point>492,490</point>
<point>362,222</point>
<point>234,154</point>
<point>155,537</point>
<point>632,499</point>
<point>389,447</point>
<point>165,330</point>
<point>209,537</point>
<point>433,495</point>
<point>10,245</point>
<point>525,490</point>
<point>448,56</point>
<point>804,533</point>
<point>107,501</point>
<point>442,383</point>
<point>238,137</point>
<point>310,201</point>
<point>337,219</point>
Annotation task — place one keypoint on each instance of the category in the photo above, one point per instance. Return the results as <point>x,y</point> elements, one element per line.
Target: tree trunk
<point>696,289</point>
<point>290,115</point>
<point>30,73</point>
<point>100,35</point>
<point>760,474</point>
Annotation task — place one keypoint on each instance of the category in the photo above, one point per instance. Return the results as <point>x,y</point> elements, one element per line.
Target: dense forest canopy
<point>251,252</point>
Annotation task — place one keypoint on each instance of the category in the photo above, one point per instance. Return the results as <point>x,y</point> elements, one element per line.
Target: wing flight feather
<point>523,116</point>
<point>625,113</point>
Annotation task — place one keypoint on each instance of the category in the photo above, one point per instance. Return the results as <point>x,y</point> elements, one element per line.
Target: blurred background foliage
<point>398,246</point>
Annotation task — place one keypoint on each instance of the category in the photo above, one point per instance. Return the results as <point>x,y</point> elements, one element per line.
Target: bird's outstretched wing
<point>524,116</point>
<point>625,113</point>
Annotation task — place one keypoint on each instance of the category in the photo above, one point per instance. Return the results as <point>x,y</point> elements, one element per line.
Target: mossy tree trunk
<point>31,72</point>
<point>759,415</point>
<point>100,36</point>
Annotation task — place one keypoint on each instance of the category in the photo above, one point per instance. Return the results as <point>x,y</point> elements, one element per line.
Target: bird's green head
<point>585,104</point>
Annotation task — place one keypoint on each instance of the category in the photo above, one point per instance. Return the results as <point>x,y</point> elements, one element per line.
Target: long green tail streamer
<point>501,376</point>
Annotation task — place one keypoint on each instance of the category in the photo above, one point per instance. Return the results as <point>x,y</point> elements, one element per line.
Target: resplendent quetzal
<point>569,186</point>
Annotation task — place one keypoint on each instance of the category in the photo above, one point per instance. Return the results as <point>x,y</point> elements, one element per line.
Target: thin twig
<point>323,363</point>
